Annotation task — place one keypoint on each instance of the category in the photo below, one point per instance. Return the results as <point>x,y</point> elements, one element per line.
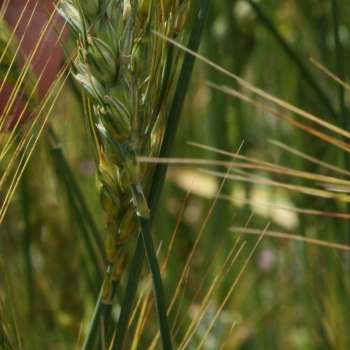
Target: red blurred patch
<point>13,112</point>
<point>48,56</point>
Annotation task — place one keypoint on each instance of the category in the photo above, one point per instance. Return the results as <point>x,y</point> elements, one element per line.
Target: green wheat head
<point>126,75</point>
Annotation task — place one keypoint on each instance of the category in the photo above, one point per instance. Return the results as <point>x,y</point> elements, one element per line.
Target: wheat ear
<point>122,67</point>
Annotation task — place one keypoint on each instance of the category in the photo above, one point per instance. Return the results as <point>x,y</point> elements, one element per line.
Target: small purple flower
<point>266,259</point>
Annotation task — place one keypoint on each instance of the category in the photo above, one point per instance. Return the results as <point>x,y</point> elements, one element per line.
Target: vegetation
<point>150,202</point>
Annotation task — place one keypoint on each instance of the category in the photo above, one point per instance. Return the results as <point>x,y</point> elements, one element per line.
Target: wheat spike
<point>122,68</point>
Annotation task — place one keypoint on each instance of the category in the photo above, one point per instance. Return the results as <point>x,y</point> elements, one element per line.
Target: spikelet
<point>122,67</point>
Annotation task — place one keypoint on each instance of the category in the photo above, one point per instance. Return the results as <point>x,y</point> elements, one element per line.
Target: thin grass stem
<point>294,57</point>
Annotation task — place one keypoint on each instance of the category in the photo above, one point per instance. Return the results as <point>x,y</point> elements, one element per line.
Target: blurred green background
<point>292,295</point>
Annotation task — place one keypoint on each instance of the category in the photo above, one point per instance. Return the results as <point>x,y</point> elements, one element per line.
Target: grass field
<point>174,174</point>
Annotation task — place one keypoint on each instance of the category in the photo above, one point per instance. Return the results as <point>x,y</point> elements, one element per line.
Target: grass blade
<point>61,163</point>
<point>294,57</point>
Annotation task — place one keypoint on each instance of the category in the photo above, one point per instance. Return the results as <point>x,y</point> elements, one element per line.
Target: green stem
<point>294,57</point>
<point>92,330</point>
<point>131,288</point>
<point>27,242</point>
<point>340,71</point>
<point>91,255</point>
<point>158,180</point>
<point>157,283</point>
<point>63,167</point>
<point>343,122</point>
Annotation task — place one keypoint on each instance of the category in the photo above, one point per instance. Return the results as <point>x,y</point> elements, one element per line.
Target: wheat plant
<point>132,63</point>
<point>121,65</point>
<point>126,72</point>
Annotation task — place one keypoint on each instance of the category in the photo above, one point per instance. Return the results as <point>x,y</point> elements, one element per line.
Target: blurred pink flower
<point>266,259</point>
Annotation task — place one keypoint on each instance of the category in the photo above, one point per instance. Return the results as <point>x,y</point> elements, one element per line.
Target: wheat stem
<point>160,172</point>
